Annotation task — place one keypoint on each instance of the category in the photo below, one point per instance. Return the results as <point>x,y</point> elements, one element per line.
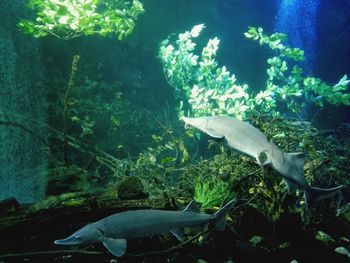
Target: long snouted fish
<point>112,231</point>
<point>247,139</point>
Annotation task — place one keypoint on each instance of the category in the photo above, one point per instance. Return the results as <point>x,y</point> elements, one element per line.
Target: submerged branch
<point>51,252</point>
<point>16,124</point>
<point>67,103</point>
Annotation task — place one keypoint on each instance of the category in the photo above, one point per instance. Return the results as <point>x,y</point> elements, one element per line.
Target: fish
<point>249,140</point>
<point>114,230</point>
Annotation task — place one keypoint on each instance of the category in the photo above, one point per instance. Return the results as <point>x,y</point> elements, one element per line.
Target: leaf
<point>196,30</point>
<point>169,146</point>
<point>255,240</point>
<point>324,237</point>
<point>345,99</point>
<point>342,82</point>
<point>343,251</point>
<point>168,160</point>
<point>63,20</point>
<point>248,35</point>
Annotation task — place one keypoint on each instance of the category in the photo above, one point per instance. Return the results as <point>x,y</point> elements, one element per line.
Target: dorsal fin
<point>192,207</point>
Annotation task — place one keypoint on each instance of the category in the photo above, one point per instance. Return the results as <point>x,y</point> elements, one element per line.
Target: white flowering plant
<point>67,19</point>
<point>204,88</point>
<point>286,79</point>
<point>201,86</point>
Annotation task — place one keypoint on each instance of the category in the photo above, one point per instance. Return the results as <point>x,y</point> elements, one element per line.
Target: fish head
<point>86,235</point>
<point>193,122</point>
<point>200,123</point>
<point>207,125</point>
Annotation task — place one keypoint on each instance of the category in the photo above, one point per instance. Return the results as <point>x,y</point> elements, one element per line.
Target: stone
<point>131,188</point>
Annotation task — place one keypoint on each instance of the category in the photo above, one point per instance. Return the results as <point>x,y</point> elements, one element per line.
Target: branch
<point>79,251</point>
<point>52,252</point>
<point>67,103</point>
<point>16,124</point>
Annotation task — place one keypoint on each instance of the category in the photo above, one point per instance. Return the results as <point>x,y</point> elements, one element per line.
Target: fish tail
<point>220,215</point>
<point>315,194</point>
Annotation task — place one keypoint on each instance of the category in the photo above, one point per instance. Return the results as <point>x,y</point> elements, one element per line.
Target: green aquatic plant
<point>211,192</point>
<point>68,19</point>
<point>200,84</point>
<point>286,80</point>
<point>204,88</point>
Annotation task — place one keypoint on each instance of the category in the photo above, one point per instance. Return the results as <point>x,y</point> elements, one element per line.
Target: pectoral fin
<point>116,246</point>
<point>298,159</point>
<point>177,232</point>
<point>292,187</point>
<point>214,134</point>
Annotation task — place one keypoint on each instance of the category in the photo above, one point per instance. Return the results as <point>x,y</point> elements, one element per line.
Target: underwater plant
<point>287,83</point>
<point>200,84</point>
<point>203,88</point>
<point>211,192</point>
<point>67,19</point>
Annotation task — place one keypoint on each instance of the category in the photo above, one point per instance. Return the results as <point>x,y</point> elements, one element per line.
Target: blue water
<point>298,19</point>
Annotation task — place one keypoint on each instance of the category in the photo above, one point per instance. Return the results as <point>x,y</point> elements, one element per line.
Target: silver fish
<point>247,139</point>
<point>113,230</point>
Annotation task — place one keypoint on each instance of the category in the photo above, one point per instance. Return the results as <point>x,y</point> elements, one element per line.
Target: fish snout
<point>71,240</point>
<point>187,122</point>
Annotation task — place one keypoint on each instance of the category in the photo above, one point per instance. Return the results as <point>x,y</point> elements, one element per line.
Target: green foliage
<point>211,192</point>
<point>287,82</point>
<point>92,110</point>
<point>198,80</point>
<point>204,88</point>
<point>68,19</point>
<point>158,165</point>
<point>163,158</point>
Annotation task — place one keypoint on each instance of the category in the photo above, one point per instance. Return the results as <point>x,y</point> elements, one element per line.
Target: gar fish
<point>245,138</point>
<point>112,231</point>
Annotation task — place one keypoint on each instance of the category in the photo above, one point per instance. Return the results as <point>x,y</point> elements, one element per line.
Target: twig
<point>248,176</point>
<point>51,252</point>
<point>169,249</point>
<point>58,252</point>
<point>66,104</point>
<point>16,124</point>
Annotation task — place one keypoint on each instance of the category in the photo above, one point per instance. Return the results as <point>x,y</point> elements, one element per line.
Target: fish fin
<point>315,194</point>
<point>292,187</point>
<point>177,232</point>
<point>220,215</point>
<point>298,158</point>
<point>201,228</point>
<point>192,207</point>
<point>214,134</point>
<point>116,246</point>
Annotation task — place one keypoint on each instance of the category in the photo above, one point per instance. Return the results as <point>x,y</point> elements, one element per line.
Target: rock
<point>9,205</point>
<point>131,188</point>
<point>67,179</point>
